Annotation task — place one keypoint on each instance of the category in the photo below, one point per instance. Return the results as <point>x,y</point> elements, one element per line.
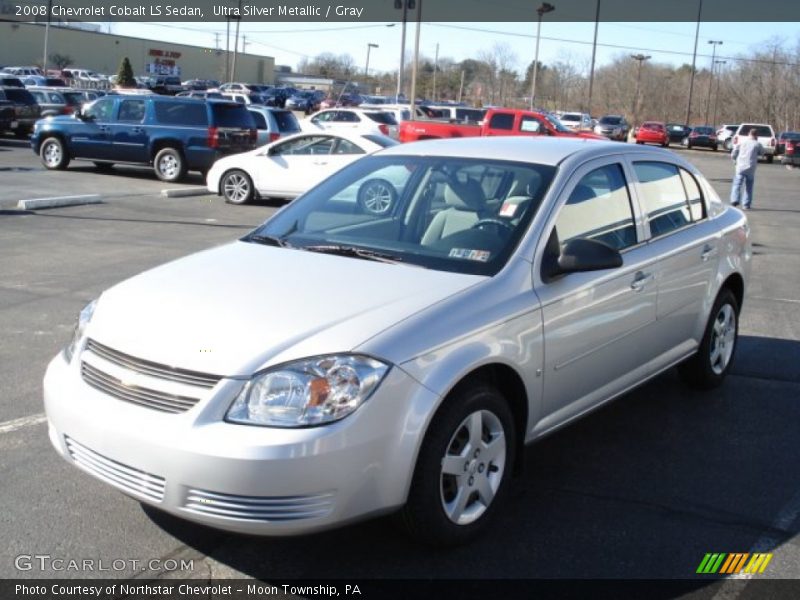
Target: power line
<point>615,46</point>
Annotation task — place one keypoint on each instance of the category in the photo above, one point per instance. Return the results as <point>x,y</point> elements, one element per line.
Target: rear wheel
<point>169,165</point>
<point>237,187</point>
<point>714,147</point>
<point>462,469</point>
<point>708,368</point>
<point>770,158</point>
<point>53,154</point>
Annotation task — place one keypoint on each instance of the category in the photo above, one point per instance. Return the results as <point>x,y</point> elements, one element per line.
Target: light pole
<point>541,11</point>
<point>640,58</point>
<point>714,43</point>
<point>694,62</point>
<point>370,46</point>
<point>46,36</point>
<point>716,97</point>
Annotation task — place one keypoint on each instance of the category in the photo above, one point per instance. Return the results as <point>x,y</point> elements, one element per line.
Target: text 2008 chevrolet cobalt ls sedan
<point>336,363</point>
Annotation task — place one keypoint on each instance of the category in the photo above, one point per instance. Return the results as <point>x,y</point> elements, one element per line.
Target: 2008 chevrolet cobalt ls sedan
<point>337,363</point>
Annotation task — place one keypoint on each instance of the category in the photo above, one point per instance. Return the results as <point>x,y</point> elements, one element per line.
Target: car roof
<point>546,151</point>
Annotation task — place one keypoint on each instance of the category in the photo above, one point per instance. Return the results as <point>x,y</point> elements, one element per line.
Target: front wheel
<point>462,469</point>
<point>53,154</point>
<point>377,196</point>
<point>237,187</point>
<point>169,165</point>
<point>708,368</point>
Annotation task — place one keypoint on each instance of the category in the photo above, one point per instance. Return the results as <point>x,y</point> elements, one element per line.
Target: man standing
<point>745,155</point>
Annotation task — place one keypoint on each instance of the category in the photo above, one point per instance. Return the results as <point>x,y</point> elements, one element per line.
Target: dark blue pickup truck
<point>173,135</point>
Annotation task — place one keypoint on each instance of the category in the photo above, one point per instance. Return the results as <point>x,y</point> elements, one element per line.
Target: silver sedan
<point>338,362</point>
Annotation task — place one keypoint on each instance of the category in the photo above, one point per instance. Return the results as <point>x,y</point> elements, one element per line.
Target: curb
<point>54,202</point>
<point>185,192</point>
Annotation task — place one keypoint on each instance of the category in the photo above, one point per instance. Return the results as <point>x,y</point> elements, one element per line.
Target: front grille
<point>152,385</point>
<point>142,396</point>
<point>130,480</point>
<point>258,508</point>
<point>150,368</point>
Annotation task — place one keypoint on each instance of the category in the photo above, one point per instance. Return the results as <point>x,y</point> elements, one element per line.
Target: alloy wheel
<point>723,338</point>
<point>472,467</point>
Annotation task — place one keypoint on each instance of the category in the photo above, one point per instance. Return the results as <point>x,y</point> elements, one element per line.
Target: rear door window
<point>663,195</point>
<point>502,121</point>
<point>186,114</point>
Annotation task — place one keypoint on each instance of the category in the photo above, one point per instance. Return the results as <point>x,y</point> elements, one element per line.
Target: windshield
<point>611,120</point>
<point>452,214</point>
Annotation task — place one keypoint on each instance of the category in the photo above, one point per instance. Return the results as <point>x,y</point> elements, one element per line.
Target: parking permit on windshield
<point>479,255</point>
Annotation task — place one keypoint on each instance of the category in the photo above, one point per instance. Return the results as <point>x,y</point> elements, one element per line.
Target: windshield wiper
<point>354,252</point>
<point>268,240</point>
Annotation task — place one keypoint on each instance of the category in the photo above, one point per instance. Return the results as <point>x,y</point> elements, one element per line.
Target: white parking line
<point>766,543</point>
<point>185,192</point>
<point>16,424</point>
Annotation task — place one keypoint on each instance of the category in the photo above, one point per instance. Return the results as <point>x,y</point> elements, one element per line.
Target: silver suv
<point>766,135</point>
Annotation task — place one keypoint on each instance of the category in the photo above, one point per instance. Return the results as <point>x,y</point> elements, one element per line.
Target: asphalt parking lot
<point>640,489</point>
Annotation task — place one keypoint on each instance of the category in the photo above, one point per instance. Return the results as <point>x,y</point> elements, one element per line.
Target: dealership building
<point>23,45</point>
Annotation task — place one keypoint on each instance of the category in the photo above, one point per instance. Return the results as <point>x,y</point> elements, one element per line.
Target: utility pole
<point>47,36</point>
<point>406,5</point>
<point>461,87</point>
<point>227,49</point>
<point>236,41</point>
<point>435,68</point>
<point>640,58</point>
<point>541,11</point>
<point>716,97</point>
<point>714,43</point>
<point>414,64</point>
<point>588,108</point>
<point>694,62</point>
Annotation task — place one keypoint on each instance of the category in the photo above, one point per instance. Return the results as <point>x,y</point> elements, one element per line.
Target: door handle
<point>640,280</point>
<point>708,252</point>
<point>137,130</point>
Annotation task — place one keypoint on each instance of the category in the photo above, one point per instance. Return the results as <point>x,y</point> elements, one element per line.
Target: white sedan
<point>290,166</point>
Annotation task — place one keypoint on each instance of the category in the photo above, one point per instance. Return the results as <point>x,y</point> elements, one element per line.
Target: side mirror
<point>85,117</point>
<point>578,256</point>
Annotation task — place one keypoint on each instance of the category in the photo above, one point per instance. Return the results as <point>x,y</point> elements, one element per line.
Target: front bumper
<point>241,478</point>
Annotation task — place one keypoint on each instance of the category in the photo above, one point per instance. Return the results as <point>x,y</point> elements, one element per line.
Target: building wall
<point>23,44</point>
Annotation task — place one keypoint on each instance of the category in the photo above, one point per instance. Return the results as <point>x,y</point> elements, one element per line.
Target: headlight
<point>80,327</point>
<point>308,392</point>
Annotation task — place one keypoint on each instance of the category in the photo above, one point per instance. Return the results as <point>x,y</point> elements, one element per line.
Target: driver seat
<point>465,201</point>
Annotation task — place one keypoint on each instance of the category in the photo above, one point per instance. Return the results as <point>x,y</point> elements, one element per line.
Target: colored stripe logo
<point>737,562</point>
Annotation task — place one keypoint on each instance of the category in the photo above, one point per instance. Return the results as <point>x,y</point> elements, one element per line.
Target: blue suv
<point>173,135</point>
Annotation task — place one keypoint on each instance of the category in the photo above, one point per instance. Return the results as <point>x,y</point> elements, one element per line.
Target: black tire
<point>638,142</point>
<point>377,197</point>
<point>169,165</point>
<point>714,147</point>
<point>53,154</point>
<point>433,492</point>
<point>104,166</point>
<point>236,187</point>
<point>703,370</point>
<point>770,158</point>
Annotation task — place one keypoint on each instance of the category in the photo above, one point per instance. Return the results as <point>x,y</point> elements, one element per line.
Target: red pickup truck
<point>498,121</point>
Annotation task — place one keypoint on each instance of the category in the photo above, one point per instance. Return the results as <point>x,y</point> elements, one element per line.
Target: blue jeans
<point>736,190</point>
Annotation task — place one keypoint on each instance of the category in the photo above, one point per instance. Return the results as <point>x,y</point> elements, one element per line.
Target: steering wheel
<point>493,221</point>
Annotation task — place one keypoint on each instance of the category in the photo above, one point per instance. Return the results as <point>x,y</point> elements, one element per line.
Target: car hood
<point>237,308</point>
